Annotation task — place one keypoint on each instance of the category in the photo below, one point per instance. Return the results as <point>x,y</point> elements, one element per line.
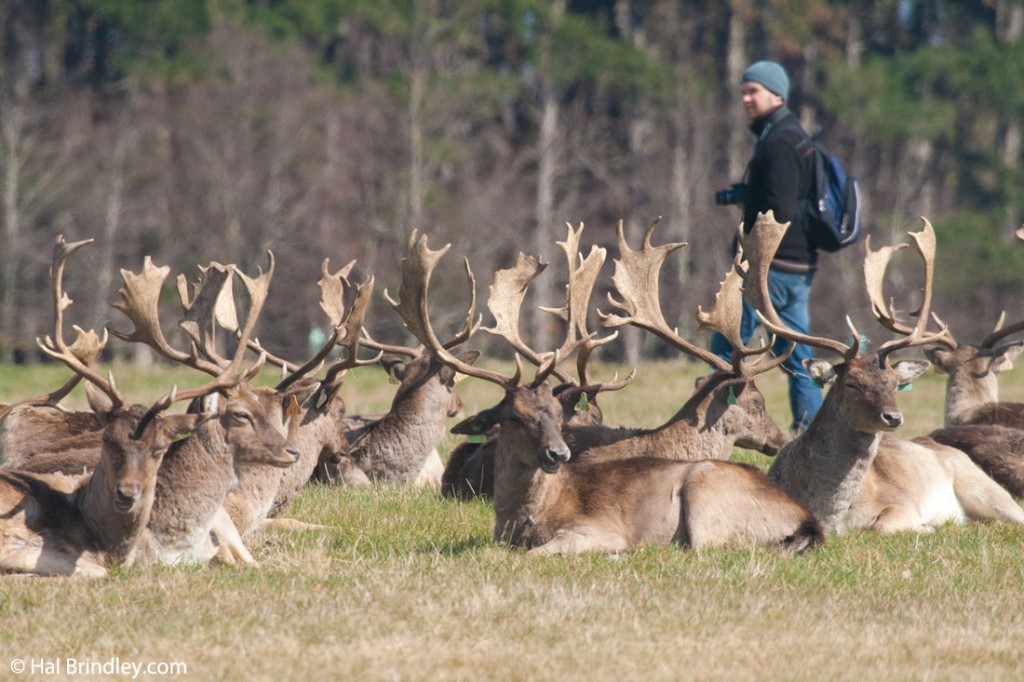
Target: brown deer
<point>972,384</point>
<point>58,525</point>
<point>470,469</point>
<point>612,506</point>
<point>317,429</point>
<point>197,473</point>
<point>998,450</point>
<point>845,467</point>
<point>727,408</point>
<point>400,445</point>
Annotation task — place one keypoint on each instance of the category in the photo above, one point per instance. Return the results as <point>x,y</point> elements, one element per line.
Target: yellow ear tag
<point>459,376</point>
<point>583,405</point>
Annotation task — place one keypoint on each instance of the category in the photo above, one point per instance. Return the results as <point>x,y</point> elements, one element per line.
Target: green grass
<point>405,585</point>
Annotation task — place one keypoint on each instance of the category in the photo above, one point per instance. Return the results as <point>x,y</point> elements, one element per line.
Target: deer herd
<point>126,483</point>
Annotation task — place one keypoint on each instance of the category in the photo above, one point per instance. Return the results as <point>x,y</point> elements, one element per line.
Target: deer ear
<point>480,422</point>
<point>1005,356</point>
<point>938,356</point>
<point>822,371</point>
<point>908,370</point>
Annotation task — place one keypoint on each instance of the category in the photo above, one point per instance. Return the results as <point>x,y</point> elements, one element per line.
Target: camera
<point>736,194</point>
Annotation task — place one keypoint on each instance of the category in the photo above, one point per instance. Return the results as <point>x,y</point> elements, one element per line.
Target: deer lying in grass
<point>972,384</point>
<point>198,473</point>
<point>58,525</point>
<point>844,467</point>
<point>610,506</point>
<point>316,430</point>
<point>998,450</point>
<point>727,408</point>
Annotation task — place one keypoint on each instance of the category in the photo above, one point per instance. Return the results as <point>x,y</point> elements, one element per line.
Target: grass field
<point>407,586</point>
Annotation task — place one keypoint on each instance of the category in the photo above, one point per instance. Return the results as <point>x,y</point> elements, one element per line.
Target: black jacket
<point>779,178</point>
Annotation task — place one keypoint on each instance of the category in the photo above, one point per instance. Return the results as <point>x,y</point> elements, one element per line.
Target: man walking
<point>779,179</point>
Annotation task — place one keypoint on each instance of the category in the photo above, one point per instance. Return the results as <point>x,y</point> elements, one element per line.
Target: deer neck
<point>196,475</point>
<point>396,446</point>
<point>524,498</point>
<point>116,533</point>
<point>966,393</point>
<point>824,467</point>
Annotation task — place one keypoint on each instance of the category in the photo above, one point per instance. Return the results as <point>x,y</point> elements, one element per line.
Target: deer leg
<point>579,540</point>
<point>227,543</point>
<point>894,518</point>
<point>289,524</point>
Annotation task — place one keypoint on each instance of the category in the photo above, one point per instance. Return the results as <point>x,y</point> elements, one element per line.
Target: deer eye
<point>241,416</point>
<point>854,387</point>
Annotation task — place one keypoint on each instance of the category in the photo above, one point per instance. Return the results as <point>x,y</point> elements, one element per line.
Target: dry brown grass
<point>405,585</point>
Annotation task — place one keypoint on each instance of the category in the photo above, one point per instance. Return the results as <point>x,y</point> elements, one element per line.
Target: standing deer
<point>845,467</point>
<point>59,525</point>
<point>611,506</point>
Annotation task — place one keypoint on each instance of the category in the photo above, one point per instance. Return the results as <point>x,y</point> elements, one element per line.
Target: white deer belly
<point>938,504</point>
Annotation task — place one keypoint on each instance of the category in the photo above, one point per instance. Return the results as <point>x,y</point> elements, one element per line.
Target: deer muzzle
<point>553,458</point>
<point>125,497</point>
<point>892,419</point>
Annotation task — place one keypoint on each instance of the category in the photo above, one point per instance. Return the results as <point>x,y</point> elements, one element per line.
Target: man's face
<point>758,101</point>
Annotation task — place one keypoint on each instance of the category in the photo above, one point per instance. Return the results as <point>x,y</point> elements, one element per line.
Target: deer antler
<point>759,247</point>
<point>725,317</point>
<point>87,345</point>
<point>413,306</point>
<point>636,281</point>
<point>874,272</point>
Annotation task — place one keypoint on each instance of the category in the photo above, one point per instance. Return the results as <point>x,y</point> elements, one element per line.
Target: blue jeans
<point>790,293</point>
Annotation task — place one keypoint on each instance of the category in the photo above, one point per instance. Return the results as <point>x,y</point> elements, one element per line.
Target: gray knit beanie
<point>770,75</point>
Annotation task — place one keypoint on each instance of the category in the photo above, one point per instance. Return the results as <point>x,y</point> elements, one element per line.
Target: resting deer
<point>198,472</point>
<point>972,384</point>
<point>58,525</point>
<point>844,467</point>
<point>400,445</point>
<point>470,469</point>
<point>727,408</point>
<point>998,450</point>
<point>317,428</point>
<point>610,506</point>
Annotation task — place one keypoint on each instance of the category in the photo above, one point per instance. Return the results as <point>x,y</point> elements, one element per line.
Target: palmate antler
<point>211,305</point>
<point>875,264</point>
<point>580,288</point>
<point>636,282</point>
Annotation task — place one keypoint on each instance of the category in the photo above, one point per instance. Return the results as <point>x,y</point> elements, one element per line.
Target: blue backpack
<point>833,208</point>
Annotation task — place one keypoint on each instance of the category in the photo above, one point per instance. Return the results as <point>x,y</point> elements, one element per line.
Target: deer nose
<point>892,419</point>
<point>125,497</point>
<point>560,455</point>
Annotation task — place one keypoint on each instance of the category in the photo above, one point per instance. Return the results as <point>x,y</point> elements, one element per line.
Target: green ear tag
<point>817,384</point>
<point>477,438</point>
<point>583,405</point>
<point>732,396</point>
<point>905,387</point>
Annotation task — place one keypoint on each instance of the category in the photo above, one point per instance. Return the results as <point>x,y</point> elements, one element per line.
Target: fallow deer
<point>972,384</point>
<point>400,445</point>
<point>998,450</point>
<point>58,525</point>
<point>612,506</point>
<point>845,467</point>
<point>198,472</point>
<point>317,430</point>
<point>727,408</point>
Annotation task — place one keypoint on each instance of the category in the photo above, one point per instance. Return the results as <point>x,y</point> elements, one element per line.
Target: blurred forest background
<point>199,130</point>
